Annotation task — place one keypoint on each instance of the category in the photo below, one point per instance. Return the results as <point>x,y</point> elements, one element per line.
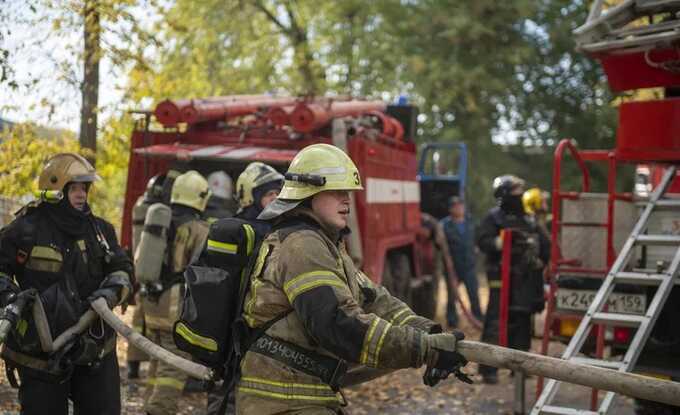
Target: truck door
<point>442,171</point>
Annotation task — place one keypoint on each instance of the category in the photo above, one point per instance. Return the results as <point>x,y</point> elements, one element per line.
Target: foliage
<point>22,156</point>
<point>23,153</point>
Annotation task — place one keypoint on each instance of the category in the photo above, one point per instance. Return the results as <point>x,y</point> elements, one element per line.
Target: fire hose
<point>531,364</point>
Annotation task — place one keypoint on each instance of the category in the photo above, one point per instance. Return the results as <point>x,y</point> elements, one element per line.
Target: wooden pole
<point>623,383</point>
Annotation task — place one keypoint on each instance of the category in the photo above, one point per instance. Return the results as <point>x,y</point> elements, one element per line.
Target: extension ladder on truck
<point>663,278</point>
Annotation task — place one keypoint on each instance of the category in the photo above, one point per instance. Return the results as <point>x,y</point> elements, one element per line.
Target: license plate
<point>579,300</point>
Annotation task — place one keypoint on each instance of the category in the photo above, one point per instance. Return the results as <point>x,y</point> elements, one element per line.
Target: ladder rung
<point>561,410</point>
<point>658,239</point>
<point>639,278</point>
<point>607,364</point>
<point>618,319</point>
<point>667,203</point>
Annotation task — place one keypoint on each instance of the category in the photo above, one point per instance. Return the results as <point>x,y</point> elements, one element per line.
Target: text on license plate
<point>579,300</point>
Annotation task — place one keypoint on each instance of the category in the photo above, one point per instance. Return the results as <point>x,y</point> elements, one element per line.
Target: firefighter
<point>59,247</point>
<point>157,191</point>
<point>221,203</point>
<point>323,312</point>
<point>258,185</point>
<point>529,255</point>
<point>186,235</point>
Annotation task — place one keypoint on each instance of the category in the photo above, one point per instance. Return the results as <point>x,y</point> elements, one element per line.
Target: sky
<point>48,72</point>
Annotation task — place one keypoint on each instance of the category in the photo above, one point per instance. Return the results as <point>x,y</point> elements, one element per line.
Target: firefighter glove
<point>115,289</point>
<point>442,359</point>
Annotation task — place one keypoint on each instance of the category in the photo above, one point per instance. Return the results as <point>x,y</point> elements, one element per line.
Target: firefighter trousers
<point>92,389</point>
<point>519,326</point>
<point>165,383</point>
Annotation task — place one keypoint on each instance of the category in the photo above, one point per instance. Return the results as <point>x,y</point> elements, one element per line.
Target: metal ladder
<point>644,323</point>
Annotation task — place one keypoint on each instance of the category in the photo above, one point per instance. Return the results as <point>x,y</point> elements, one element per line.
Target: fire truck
<point>227,133</point>
<point>613,296</point>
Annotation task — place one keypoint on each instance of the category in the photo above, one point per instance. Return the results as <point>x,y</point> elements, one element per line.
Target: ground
<point>401,392</point>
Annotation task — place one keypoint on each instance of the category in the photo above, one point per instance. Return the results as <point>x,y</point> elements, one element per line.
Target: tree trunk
<point>90,85</point>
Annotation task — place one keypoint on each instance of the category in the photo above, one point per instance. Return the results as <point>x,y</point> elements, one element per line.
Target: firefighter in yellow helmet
<point>161,299</point>
<point>71,257</point>
<point>323,313</point>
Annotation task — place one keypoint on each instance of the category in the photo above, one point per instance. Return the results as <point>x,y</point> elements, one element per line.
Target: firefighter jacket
<point>187,236</point>
<point>530,253</point>
<point>65,259</point>
<point>335,312</point>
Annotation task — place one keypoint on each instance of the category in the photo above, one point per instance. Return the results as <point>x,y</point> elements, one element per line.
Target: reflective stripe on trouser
<point>134,354</point>
<point>165,383</point>
<point>262,396</point>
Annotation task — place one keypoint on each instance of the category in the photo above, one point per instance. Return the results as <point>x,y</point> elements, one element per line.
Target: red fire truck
<point>227,133</point>
<point>615,254</point>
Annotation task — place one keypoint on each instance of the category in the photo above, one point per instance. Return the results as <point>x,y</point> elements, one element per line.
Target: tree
<point>90,83</point>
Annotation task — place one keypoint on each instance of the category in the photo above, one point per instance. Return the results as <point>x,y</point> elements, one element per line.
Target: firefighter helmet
<point>190,189</point>
<point>507,185</point>
<point>221,184</point>
<point>255,175</point>
<point>534,200</point>
<point>315,169</point>
<point>64,168</point>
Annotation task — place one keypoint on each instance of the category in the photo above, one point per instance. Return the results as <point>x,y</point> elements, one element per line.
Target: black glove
<point>443,359</point>
<point>115,289</point>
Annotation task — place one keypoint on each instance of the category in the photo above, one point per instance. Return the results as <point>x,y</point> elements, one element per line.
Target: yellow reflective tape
<point>2,274</point>
<point>43,265</point>
<point>376,357</point>
<point>222,247</point>
<point>250,235</point>
<point>196,339</point>
<point>286,385</point>
<point>367,341</point>
<point>495,283</point>
<point>81,245</point>
<point>403,322</point>
<point>320,273</point>
<point>166,382</point>
<point>287,396</point>
<point>45,252</point>
<point>313,284</point>
<point>396,316</point>
<point>251,303</point>
<point>22,326</point>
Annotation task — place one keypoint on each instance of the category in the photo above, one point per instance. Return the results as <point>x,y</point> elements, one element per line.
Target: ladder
<point>597,313</point>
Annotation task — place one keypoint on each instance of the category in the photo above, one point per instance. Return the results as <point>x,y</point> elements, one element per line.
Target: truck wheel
<point>425,295</point>
<point>397,276</point>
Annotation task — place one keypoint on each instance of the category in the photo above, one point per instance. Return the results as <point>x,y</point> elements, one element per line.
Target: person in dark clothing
<point>460,235</point>
<point>71,257</point>
<point>529,254</point>
<point>256,187</point>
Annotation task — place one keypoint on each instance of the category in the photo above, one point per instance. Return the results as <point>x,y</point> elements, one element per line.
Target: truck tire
<point>425,296</point>
<point>397,276</point>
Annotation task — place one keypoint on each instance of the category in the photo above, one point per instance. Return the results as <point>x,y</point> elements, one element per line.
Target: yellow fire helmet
<point>190,189</point>
<point>61,169</point>
<point>534,200</point>
<point>314,169</point>
<point>255,175</point>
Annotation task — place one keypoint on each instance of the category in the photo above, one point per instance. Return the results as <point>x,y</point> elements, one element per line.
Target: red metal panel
<point>504,311</point>
<point>649,130</point>
<point>632,71</point>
